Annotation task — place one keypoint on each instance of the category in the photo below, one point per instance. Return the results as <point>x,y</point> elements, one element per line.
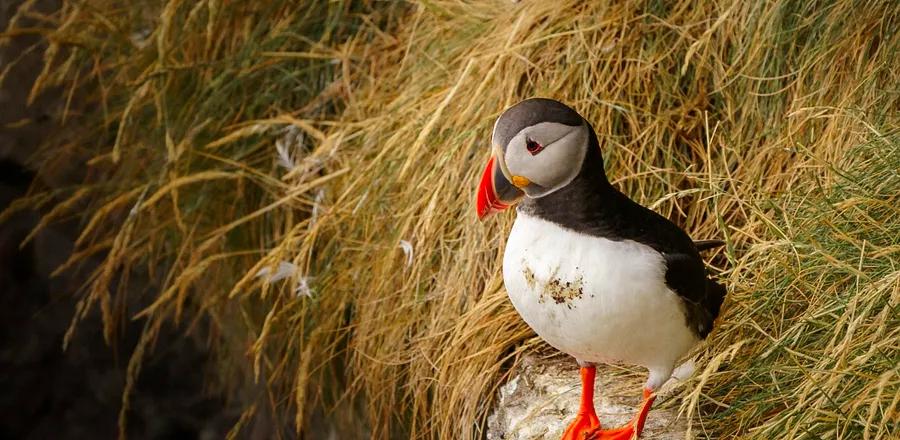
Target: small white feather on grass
<point>407,248</point>
<point>289,147</point>
<point>285,270</point>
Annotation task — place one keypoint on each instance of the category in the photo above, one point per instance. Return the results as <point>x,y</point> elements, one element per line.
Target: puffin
<point>593,273</point>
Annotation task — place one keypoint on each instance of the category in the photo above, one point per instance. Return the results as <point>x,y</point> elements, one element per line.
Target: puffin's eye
<point>533,146</point>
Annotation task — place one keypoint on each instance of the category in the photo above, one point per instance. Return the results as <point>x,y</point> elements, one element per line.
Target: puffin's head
<point>538,146</point>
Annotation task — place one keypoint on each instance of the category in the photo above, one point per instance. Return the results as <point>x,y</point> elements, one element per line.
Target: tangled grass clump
<point>813,330</point>
<point>298,181</point>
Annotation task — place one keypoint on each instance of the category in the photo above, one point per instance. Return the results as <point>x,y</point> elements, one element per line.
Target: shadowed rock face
<point>542,396</point>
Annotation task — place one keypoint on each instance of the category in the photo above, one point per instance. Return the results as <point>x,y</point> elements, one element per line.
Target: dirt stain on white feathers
<point>560,291</point>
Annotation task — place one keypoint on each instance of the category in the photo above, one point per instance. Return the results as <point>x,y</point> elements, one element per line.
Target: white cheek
<point>556,165</point>
<point>520,162</point>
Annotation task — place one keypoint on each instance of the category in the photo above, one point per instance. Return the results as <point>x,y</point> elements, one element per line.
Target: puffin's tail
<point>703,245</point>
<point>715,295</point>
<point>710,306</point>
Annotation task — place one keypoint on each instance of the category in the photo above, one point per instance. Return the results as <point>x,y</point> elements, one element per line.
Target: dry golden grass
<point>342,143</point>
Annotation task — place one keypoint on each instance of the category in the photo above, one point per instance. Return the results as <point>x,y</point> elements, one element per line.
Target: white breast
<point>596,299</point>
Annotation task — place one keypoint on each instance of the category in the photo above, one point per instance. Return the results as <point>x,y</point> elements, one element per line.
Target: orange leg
<point>586,421</point>
<point>630,431</point>
<point>587,426</point>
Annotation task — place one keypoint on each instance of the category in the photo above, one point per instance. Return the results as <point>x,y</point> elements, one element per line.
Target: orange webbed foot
<point>630,431</point>
<point>586,422</point>
<point>582,427</point>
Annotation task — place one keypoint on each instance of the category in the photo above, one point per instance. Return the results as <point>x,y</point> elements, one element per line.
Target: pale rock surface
<point>542,397</point>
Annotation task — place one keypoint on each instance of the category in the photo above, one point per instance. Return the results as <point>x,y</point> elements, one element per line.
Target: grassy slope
<point>809,345</point>
<point>734,119</point>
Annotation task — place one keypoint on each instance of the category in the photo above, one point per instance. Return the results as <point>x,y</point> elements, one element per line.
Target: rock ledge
<point>542,397</point>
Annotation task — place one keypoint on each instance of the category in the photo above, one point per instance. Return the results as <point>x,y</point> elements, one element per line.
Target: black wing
<point>702,296</point>
<point>685,271</point>
<point>591,206</point>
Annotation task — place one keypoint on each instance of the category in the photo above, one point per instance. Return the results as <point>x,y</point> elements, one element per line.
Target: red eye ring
<point>533,146</point>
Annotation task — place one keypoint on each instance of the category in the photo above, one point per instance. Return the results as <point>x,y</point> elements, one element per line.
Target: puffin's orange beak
<point>495,192</point>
